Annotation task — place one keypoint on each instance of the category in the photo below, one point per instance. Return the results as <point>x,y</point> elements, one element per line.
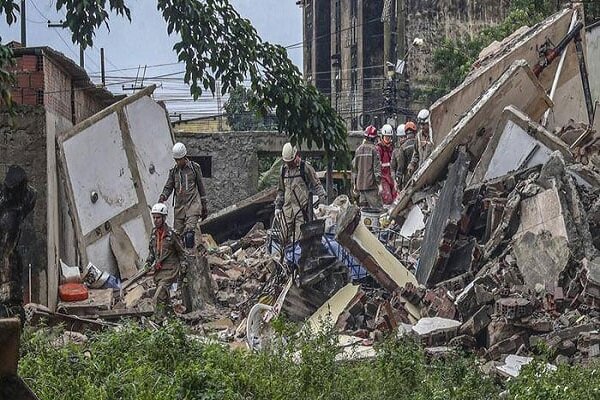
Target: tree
<point>243,118</point>
<point>216,44</point>
<point>453,59</point>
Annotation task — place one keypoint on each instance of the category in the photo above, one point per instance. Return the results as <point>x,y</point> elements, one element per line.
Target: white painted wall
<point>147,126</point>
<point>97,161</point>
<point>513,147</point>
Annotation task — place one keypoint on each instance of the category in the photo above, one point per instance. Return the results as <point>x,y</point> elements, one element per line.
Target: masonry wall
<point>23,143</point>
<point>434,20</point>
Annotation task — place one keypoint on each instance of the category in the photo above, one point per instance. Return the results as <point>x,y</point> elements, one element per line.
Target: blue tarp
<point>356,270</point>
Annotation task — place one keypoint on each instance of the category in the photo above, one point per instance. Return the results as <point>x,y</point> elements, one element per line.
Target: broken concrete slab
<point>415,221</point>
<point>543,212</point>
<point>513,364</point>
<point>373,255</point>
<point>333,308</point>
<point>436,330</point>
<point>541,257</point>
<point>124,252</point>
<point>518,142</point>
<point>448,110</point>
<point>442,225</point>
<point>236,220</point>
<point>517,86</point>
<point>477,322</point>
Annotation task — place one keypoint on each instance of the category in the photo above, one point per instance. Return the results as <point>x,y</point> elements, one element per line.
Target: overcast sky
<point>144,41</point>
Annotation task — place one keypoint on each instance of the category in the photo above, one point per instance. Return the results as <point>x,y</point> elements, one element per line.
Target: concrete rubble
<point>493,246</point>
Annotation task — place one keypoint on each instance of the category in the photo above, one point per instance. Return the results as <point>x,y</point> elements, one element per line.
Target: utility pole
<point>81,52</point>
<point>81,57</point>
<point>23,25</point>
<point>389,85</point>
<point>102,71</point>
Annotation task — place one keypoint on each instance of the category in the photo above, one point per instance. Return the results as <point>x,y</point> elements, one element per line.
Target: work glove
<point>380,188</point>
<point>162,198</point>
<point>278,213</point>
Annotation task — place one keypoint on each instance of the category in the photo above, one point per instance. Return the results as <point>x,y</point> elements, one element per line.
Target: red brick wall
<point>40,81</point>
<point>57,95</point>
<point>29,81</point>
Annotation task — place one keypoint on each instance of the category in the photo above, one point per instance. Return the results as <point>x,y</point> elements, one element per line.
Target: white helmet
<point>423,115</point>
<point>387,130</point>
<point>400,130</point>
<point>179,151</point>
<point>289,152</point>
<point>159,208</point>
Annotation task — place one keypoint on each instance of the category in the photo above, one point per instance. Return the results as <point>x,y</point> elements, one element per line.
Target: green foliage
<point>134,363</point>
<point>218,45</point>
<point>535,382</point>
<point>241,117</point>
<point>453,59</point>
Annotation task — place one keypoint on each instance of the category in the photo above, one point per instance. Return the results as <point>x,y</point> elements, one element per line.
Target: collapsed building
<point>492,246</point>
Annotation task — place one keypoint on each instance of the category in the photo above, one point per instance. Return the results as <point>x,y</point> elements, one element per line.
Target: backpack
<point>302,173</point>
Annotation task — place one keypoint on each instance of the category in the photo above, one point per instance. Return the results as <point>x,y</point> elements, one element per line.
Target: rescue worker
<point>185,181</point>
<point>297,181</point>
<point>385,148</point>
<point>424,140</point>
<point>401,165</point>
<point>167,257</point>
<point>366,171</point>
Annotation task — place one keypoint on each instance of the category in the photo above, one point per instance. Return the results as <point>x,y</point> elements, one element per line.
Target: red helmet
<point>410,126</point>
<point>371,132</point>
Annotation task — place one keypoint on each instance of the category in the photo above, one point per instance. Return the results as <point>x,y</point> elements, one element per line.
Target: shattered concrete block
<point>442,225</point>
<point>541,257</point>
<point>472,298</point>
<point>499,330</point>
<point>439,304</point>
<point>506,346</point>
<point>513,308</point>
<point>436,330</point>
<point>478,322</point>
<point>513,364</point>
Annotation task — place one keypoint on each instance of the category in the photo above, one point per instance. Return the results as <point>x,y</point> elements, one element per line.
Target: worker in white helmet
<point>297,183</point>
<point>185,182</point>
<point>166,257</point>
<point>403,154</point>
<point>385,148</point>
<point>424,140</point>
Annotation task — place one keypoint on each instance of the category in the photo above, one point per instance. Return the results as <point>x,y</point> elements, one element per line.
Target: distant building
<point>344,48</point>
<point>51,95</point>
<point>211,123</point>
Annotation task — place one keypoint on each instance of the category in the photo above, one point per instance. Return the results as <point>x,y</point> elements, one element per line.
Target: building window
<point>205,163</point>
<point>39,97</point>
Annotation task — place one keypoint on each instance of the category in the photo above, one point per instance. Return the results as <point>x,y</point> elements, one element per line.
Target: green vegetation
<point>134,363</point>
<point>453,59</point>
<point>243,118</point>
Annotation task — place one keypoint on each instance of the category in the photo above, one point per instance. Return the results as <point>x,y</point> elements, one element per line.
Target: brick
<point>37,80</point>
<point>29,63</point>
<point>29,96</point>
<point>23,80</point>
